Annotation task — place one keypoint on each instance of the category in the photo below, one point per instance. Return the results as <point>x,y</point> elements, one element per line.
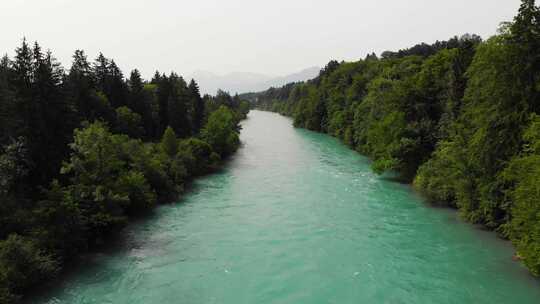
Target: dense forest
<point>460,119</point>
<point>83,150</point>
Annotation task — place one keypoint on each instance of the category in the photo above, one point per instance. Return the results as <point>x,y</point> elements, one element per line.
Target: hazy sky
<point>274,37</point>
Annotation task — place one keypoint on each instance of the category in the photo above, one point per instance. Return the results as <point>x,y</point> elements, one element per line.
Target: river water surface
<point>296,217</point>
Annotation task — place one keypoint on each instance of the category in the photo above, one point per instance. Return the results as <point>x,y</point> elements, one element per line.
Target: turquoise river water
<point>296,217</point>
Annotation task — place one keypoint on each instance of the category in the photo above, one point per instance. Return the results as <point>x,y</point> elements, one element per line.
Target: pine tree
<point>163,92</point>
<point>79,85</point>
<point>10,121</point>
<point>109,79</point>
<point>525,39</point>
<point>135,82</point>
<point>140,101</point>
<point>197,105</point>
<point>177,108</point>
<point>117,88</point>
<point>51,117</point>
<point>22,69</point>
<point>156,78</point>
<point>80,66</point>
<point>136,94</point>
<point>22,74</point>
<point>81,91</point>
<point>101,73</point>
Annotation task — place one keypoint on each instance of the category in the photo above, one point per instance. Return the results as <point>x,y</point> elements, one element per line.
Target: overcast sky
<point>274,37</point>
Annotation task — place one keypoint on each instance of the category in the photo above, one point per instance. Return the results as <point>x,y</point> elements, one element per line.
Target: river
<point>297,217</point>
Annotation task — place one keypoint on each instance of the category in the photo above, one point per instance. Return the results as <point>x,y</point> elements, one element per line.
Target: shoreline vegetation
<point>85,150</point>
<point>459,119</point>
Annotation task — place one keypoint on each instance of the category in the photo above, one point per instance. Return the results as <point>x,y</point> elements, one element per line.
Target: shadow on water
<point>394,178</point>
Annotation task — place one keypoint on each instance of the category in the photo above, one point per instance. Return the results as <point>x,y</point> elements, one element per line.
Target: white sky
<point>274,37</point>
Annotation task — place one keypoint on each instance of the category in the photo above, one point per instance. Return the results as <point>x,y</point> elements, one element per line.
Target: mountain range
<point>243,82</point>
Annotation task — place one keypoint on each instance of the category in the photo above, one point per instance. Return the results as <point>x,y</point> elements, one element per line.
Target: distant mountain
<point>303,75</point>
<point>242,82</point>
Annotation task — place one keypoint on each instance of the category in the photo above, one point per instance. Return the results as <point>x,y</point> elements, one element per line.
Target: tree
<point>523,173</point>
<point>136,87</point>
<point>101,73</point>
<point>177,107</point>
<point>22,71</point>
<point>10,120</point>
<point>110,80</point>
<point>23,265</point>
<point>52,117</point>
<point>220,131</point>
<point>151,118</point>
<point>94,168</point>
<point>524,41</point>
<point>15,165</point>
<point>81,91</point>
<point>169,143</point>
<point>163,91</point>
<point>129,122</point>
<point>118,92</point>
<point>198,156</point>
<point>198,106</point>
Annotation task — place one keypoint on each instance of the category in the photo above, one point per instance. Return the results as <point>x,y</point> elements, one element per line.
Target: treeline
<point>83,150</point>
<point>459,119</point>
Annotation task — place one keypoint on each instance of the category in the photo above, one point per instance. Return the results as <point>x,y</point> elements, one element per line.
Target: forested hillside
<point>83,150</point>
<point>459,119</point>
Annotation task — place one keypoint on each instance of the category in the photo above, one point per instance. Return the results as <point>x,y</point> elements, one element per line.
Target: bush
<point>129,122</point>
<point>169,143</point>
<point>22,265</point>
<point>134,186</point>
<point>196,155</point>
<point>220,131</point>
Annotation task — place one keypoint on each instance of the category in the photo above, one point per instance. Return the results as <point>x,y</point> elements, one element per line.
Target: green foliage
<point>14,169</point>
<point>198,156</point>
<point>177,109</point>
<point>58,223</point>
<point>523,173</point>
<point>443,176</point>
<point>169,143</point>
<point>14,165</point>
<point>242,110</point>
<point>23,265</point>
<point>96,167</point>
<point>129,122</point>
<point>220,131</point>
<point>197,106</point>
